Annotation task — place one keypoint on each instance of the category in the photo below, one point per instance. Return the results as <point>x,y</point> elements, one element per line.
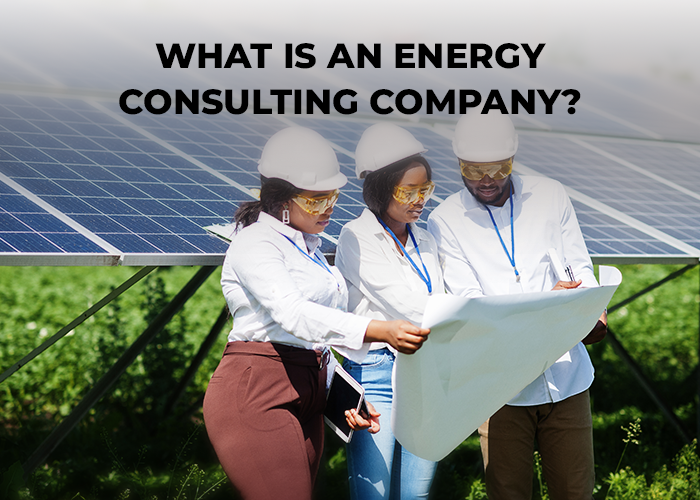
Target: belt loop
<point>325,358</point>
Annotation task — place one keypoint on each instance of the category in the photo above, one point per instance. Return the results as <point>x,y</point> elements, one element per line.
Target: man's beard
<point>494,201</point>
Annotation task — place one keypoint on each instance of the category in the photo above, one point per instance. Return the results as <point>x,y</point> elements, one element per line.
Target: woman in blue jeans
<point>391,267</point>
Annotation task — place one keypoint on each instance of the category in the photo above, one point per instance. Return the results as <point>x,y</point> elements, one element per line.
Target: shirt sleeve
<point>261,270</point>
<point>460,278</point>
<point>360,258</point>
<point>575,251</point>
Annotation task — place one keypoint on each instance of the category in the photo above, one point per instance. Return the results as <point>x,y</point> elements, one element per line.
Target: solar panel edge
<point>58,259</point>
<point>151,259</point>
<point>619,259</point>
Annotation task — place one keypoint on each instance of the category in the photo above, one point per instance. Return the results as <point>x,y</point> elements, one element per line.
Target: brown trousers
<point>263,411</point>
<point>564,435</point>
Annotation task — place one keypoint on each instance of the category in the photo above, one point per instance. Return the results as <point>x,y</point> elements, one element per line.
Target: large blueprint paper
<point>481,352</point>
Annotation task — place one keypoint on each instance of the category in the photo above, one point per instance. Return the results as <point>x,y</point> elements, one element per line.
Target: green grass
<point>127,447</point>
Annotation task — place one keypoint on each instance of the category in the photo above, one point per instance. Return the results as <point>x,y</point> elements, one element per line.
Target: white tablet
<point>345,393</point>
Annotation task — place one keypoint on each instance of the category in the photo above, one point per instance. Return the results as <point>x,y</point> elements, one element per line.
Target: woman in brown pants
<point>263,408</point>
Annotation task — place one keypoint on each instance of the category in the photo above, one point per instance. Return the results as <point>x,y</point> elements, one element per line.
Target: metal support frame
<point>651,287</point>
<point>77,321</point>
<point>642,379</point>
<point>102,386</point>
<point>647,386</point>
<point>204,349</point>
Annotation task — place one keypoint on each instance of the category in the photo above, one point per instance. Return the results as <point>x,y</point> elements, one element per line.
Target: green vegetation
<point>131,447</point>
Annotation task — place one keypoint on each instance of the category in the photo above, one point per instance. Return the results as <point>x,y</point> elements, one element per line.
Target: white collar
<point>370,221</point>
<point>310,241</point>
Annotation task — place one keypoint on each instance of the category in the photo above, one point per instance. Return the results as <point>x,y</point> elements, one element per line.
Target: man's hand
<point>566,285</point>
<point>600,330</point>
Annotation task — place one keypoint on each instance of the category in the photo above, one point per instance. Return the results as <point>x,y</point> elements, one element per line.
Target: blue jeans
<point>378,466</point>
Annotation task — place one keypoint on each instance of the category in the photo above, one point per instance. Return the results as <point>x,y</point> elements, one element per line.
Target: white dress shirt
<point>475,263</point>
<point>382,283</point>
<point>277,293</point>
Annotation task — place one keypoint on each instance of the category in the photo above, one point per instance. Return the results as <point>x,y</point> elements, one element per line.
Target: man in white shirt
<point>493,238</point>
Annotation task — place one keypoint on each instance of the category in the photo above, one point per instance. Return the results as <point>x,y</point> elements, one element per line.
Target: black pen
<point>570,273</point>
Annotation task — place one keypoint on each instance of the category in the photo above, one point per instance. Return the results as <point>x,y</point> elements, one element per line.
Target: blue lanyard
<point>511,256</point>
<point>315,259</point>
<point>426,277</point>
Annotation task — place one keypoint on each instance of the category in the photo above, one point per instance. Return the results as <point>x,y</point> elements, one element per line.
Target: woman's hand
<point>358,423</point>
<point>402,335</point>
<point>566,285</point>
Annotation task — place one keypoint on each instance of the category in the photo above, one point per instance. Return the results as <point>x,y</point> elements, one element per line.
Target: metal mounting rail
<point>77,321</point>
<point>102,386</point>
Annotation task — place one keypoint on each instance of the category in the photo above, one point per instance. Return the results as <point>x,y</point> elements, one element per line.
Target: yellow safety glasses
<point>414,194</point>
<point>497,170</point>
<point>319,204</point>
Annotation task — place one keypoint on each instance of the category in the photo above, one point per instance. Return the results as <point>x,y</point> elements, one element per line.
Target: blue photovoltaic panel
<point>112,181</point>
<point>579,179</point>
<point>232,147</point>
<point>26,227</point>
<point>674,162</point>
<point>618,186</point>
<point>229,145</point>
<point>142,197</point>
<point>605,235</point>
<point>149,183</point>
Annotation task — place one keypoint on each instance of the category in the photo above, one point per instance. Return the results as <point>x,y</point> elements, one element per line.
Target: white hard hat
<point>484,138</point>
<point>303,158</point>
<point>383,144</point>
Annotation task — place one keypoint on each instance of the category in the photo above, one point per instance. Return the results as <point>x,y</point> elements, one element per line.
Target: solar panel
<point>671,208</point>
<point>144,198</point>
<point>135,199</point>
<point>83,182</point>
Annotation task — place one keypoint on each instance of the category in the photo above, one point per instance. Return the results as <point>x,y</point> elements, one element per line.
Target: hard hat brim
<point>335,182</point>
